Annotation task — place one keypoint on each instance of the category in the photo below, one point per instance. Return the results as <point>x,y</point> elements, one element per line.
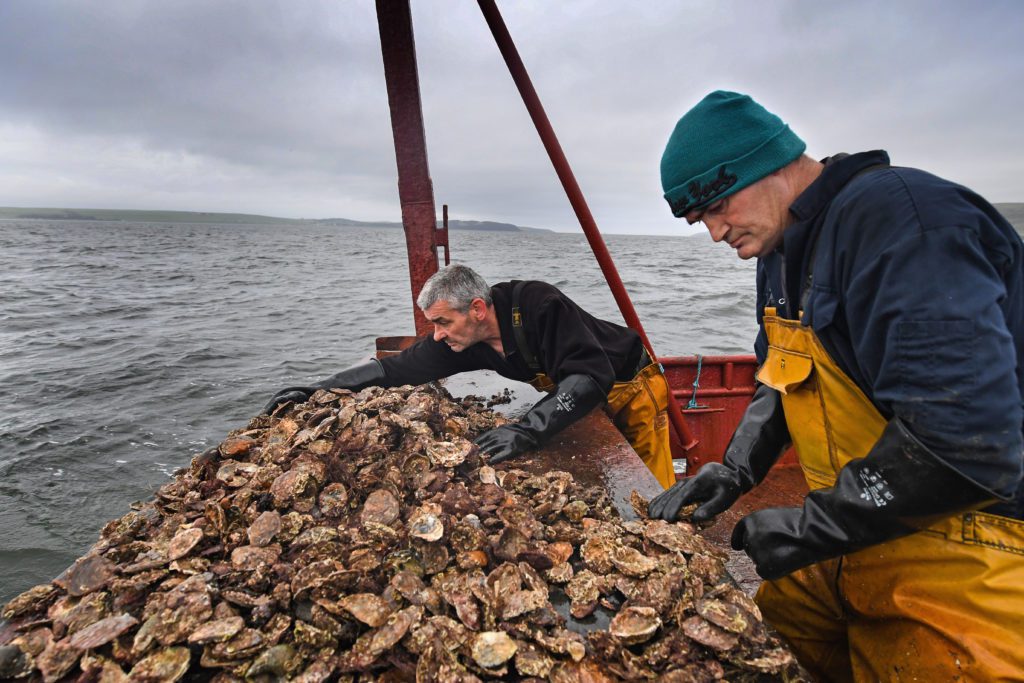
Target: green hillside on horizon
<point>1013,211</point>
<point>209,217</point>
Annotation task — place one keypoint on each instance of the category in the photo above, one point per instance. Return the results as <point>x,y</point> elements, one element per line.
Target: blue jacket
<point>916,289</point>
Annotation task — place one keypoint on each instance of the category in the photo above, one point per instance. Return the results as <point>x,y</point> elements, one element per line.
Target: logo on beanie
<point>702,194</point>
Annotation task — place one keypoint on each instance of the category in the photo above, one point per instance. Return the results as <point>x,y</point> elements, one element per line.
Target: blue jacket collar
<point>839,169</point>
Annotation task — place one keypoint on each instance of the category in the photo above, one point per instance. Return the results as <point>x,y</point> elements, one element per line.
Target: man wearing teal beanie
<point>891,349</point>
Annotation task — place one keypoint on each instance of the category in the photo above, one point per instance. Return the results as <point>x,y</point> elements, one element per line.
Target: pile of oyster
<point>364,537</point>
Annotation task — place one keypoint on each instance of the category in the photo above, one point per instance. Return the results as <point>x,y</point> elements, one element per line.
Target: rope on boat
<point>696,385</point>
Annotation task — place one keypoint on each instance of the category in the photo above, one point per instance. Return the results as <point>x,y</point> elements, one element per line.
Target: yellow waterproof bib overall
<point>942,604</point>
<point>639,409</point>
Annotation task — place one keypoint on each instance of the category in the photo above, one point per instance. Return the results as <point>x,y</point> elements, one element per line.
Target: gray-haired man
<point>531,332</point>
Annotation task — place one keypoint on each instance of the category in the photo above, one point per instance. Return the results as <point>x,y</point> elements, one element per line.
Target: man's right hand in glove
<point>759,440</point>
<point>572,399</point>
<point>716,487</point>
<point>354,378</point>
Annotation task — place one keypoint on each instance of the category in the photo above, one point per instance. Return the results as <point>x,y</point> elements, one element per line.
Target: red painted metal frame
<point>415,190</point>
<point>572,190</point>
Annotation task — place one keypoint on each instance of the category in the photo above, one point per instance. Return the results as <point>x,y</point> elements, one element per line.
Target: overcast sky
<point>280,108</point>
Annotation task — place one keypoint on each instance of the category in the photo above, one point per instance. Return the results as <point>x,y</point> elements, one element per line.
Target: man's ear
<point>478,307</point>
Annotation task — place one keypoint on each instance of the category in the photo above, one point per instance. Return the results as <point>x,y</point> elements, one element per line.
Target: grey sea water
<point>128,348</point>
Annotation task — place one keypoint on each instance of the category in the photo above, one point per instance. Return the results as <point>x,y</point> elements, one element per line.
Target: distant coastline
<point>130,215</point>
<point>1013,211</point>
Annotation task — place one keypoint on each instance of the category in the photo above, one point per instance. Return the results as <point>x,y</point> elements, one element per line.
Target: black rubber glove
<point>759,440</point>
<point>573,398</point>
<point>898,488</point>
<point>354,378</point>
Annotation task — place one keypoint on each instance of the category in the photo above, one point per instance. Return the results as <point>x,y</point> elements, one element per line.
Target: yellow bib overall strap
<point>946,603</point>
<point>540,381</point>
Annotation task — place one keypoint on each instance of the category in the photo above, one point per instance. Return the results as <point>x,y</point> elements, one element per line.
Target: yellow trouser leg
<point>807,612</point>
<point>944,604</point>
<point>639,408</point>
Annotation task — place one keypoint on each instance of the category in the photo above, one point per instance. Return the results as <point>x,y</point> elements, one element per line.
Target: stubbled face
<point>458,330</point>
<point>750,221</point>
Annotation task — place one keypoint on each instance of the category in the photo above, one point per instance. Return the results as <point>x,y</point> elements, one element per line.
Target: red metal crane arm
<point>575,195</point>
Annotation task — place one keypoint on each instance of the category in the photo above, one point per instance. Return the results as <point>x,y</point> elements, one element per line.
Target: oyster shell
<point>449,453</point>
<point>32,600</point>
<point>163,666</point>
<point>216,631</point>
<point>183,543</point>
<point>102,632</point>
<point>236,474</point>
<point>348,537</point>
<point>493,648</point>
<point>426,523</point>
<point>334,499</point>
<point>381,507</point>
<point>264,528</point>
<point>86,575</point>
<point>635,624</point>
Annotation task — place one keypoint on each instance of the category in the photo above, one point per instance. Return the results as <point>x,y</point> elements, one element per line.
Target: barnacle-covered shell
<point>236,474</point>
<point>216,631</point>
<point>102,632</point>
<point>706,633</point>
<point>279,661</point>
<point>635,624</point>
<point>373,644</point>
<point>57,659</point>
<point>251,556</point>
<point>183,543</point>
<point>32,600</point>
<point>334,499</point>
<point>493,648</point>
<point>86,575</point>
<point>449,453</point>
<point>367,608</point>
<point>381,507</point>
<point>293,486</point>
<point>770,661</point>
<point>632,562</point>
<point>678,537</point>
<point>163,666</point>
<point>426,524</point>
<point>531,660</point>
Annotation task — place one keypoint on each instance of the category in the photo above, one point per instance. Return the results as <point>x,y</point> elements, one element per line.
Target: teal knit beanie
<point>726,142</point>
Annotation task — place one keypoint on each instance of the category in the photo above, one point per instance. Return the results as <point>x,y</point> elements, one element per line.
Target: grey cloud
<point>280,108</point>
